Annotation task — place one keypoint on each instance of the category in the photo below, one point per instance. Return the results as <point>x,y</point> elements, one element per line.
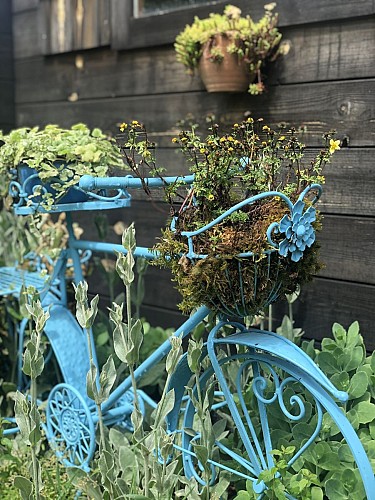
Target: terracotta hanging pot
<point>231,74</point>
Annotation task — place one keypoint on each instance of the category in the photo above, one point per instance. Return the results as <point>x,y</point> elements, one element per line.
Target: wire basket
<point>246,283</point>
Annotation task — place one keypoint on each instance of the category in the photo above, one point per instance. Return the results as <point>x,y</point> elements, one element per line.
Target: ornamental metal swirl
<point>297,227</point>
<point>28,196</point>
<point>252,423</point>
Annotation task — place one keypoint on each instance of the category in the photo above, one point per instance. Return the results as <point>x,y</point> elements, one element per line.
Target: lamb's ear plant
<point>97,389</point>
<point>143,464</point>
<point>26,408</point>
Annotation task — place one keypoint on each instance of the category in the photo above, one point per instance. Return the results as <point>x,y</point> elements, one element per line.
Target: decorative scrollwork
<point>28,196</point>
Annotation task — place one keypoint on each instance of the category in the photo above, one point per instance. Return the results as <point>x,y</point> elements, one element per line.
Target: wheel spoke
<point>70,425</point>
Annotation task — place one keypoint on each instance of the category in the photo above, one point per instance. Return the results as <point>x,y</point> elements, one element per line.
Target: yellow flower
<point>282,138</point>
<point>210,197</point>
<point>333,146</point>
<point>123,126</point>
<point>202,150</point>
<point>266,128</point>
<point>174,140</point>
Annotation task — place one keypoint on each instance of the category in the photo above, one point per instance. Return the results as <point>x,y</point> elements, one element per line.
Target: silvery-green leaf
<point>136,338</point>
<point>126,458</point>
<point>21,410</point>
<point>202,453</point>
<point>124,268</point>
<point>128,238</point>
<point>142,265</point>
<point>164,407</point>
<point>25,486</point>
<point>194,354</point>
<point>107,379</point>
<point>81,292</point>
<point>116,313</point>
<point>174,354</point>
<point>91,387</point>
<point>119,341</point>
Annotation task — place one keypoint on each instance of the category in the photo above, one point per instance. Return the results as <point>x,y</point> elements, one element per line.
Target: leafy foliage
<point>255,42</point>
<point>229,168</point>
<point>327,468</point>
<point>59,156</point>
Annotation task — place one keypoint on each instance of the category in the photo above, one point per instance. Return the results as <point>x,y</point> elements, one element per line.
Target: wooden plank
<point>347,106</point>
<point>121,13</point>
<point>6,59</point>
<point>104,15</point>
<point>328,51</point>
<point>317,53</point>
<point>347,248</point>
<point>350,183</point>
<point>105,73</point>
<point>6,16</point>
<point>27,38</point>
<point>349,187</point>
<point>21,5</point>
<point>162,28</point>
<point>54,27</point>
<point>324,302</point>
<point>7,105</point>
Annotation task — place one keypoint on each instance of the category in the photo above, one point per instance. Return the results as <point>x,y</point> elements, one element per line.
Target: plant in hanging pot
<point>45,164</point>
<point>229,50</point>
<point>245,232</point>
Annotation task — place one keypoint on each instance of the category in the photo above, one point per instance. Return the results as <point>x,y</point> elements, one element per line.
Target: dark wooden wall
<point>6,67</point>
<point>126,70</point>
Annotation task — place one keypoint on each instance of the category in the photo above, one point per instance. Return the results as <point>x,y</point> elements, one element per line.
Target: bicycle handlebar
<point>88,183</point>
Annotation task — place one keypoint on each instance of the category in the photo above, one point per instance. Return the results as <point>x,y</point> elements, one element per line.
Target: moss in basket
<point>59,156</point>
<point>230,167</point>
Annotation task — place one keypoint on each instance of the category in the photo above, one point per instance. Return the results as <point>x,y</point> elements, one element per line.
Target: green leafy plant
<point>229,168</point>
<point>139,465</point>
<point>326,469</point>
<point>59,156</point>
<point>254,42</point>
<point>14,462</point>
<point>26,409</point>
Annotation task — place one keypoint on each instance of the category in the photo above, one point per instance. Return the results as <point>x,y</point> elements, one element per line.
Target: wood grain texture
<point>326,81</point>
<point>163,28</point>
<point>105,73</point>
<point>70,26</point>
<point>318,53</point>
<point>350,183</point>
<point>347,248</point>
<point>21,5</point>
<point>327,51</point>
<point>324,302</point>
<point>27,35</point>
<point>347,106</point>
<point>349,187</point>
<point>6,59</point>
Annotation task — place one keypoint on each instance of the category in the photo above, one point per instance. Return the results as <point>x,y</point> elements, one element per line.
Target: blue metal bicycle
<point>252,369</point>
